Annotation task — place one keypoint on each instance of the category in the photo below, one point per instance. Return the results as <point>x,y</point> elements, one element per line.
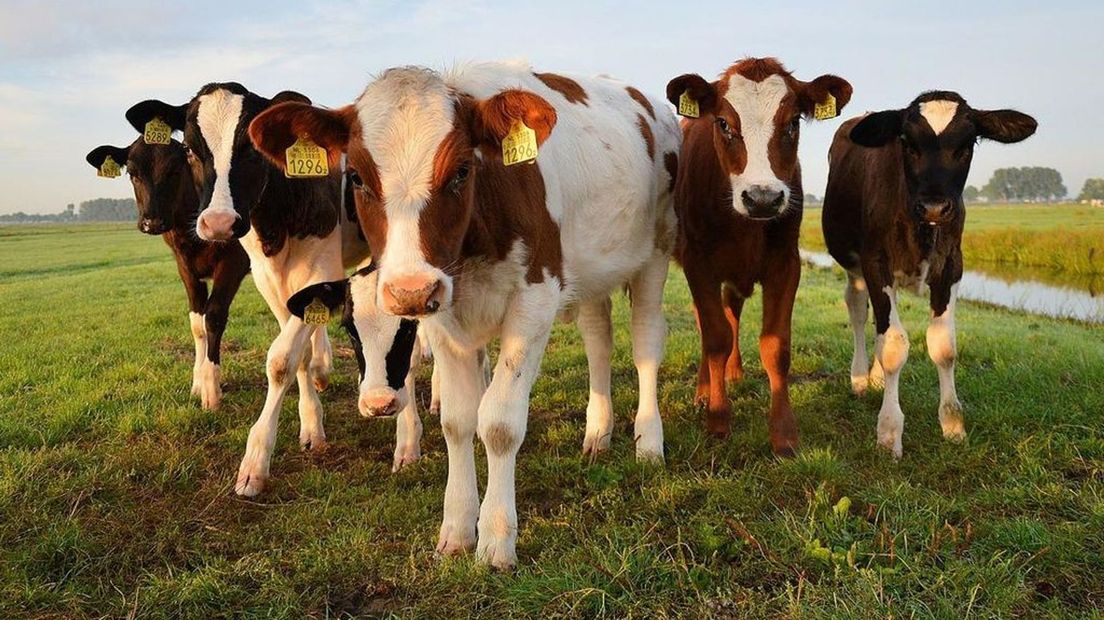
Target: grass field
<point>1063,238</point>
<point>116,489</point>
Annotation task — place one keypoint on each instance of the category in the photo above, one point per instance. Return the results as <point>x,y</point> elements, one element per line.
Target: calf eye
<point>722,124</point>
<point>355,179</point>
<point>458,179</point>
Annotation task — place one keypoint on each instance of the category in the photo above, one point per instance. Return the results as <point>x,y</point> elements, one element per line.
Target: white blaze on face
<point>218,116</point>
<point>939,114</point>
<point>404,116</point>
<point>376,330</point>
<point>755,104</point>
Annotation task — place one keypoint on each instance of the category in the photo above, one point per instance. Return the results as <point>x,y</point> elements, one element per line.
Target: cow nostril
<point>778,200</point>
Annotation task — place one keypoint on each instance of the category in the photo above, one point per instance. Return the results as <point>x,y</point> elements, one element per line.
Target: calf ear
<point>495,117</point>
<point>1005,126</point>
<point>330,293</point>
<point>816,93</point>
<point>878,128</point>
<point>96,156</point>
<point>174,116</point>
<point>278,127</point>
<point>289,95</point>
<point>699,90</point>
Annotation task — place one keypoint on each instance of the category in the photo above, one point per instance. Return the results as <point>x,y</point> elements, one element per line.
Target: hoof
<point>455,540</point>
<point>953,422</point>
<point>596,443</point>
<point>892,443</point>
<point>313,443</point>
<point>859,385</point>
<point>499,554</point>
<point>321,382</point>
<point>249,484</point>
<point>405,455</point>
<point>785,450</point>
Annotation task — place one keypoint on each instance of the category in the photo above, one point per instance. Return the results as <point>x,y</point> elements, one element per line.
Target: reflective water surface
<point>1037,291</point>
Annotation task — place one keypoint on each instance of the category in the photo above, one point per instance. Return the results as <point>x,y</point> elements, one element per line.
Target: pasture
<point>116,490</point>
<point>1066,238</point>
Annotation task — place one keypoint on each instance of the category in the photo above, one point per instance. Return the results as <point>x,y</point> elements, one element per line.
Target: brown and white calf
<point>295,233</point>
<point>168,206</point>
<point>739,202</point>
<point>893,215</point>
<point>479,250</point>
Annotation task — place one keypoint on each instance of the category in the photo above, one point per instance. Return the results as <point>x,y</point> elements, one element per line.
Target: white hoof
<point>210,388</point>
<point>952,421</point>
<point>649,450</point>
<point>455,539</point>
<point>859,384</point>
<point>405,455</point>
<point>252,475</point>
<point>313,439</point>
<point>596,442</point>
<point>499,553</point>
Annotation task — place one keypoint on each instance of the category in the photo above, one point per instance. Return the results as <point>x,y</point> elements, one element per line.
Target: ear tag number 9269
<point>688,106</point>
<point>826,110</point>
<point>316,313</point>
<point>157,132</point>
<point>520,145</point>
<point>108,169</point>
<point>305,159</point>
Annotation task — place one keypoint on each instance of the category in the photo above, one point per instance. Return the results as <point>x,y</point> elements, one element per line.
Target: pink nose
<point>412,295</point>
<point>376,405</point>
<point>216,225</point>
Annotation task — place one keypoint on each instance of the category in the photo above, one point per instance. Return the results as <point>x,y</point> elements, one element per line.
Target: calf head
<point>935,137</point>
<point>756,108</point>
<point>230,173</point>
<point>383,343</point>
<point>415,149</point>
<point>164,190</point>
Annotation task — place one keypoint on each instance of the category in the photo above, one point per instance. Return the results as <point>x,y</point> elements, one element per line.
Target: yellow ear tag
<point>305,160</point>
<point>826,110</point>
<point>316,313</point>
<point>157,132</point>
<point>688,106</point>
<point>108,169</point>
<point>520,145</point>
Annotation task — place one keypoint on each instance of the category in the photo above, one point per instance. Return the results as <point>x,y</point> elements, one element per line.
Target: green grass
<point>116,489</point>
<point>1062,238</point>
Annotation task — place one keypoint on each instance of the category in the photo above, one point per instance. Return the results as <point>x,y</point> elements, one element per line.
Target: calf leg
<point>408,424</point>
<point>734,306</point>
<point>197,305</point>
<point>891,346</point>
<point>224,287</point>
<point>597,330</point>
<point>649,331</point>
<point>716,337</point>
<point>942,349</point>
<point>321,360</point>
<point>285,354</point>
<point>701,393</point>
<point>461,386</point>
<point>312,435</point>
<point>779,291</point>
<point>503,415</point>
<point>858,301</point>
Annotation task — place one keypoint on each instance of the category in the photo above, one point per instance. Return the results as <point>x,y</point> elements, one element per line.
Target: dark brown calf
<point>168,205</point>
<point>893,215</point>
<point>738,197</point>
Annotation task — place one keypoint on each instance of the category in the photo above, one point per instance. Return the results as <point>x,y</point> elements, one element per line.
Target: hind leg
<point>597,330</point>
<point>649,332</point>
<point>858,300</point>
<point>734,306</point>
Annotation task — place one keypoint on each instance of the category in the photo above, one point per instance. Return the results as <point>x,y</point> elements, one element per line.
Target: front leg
<point>224,286</point>
<point>891,348</point>
<point>197,306</point>
<point>284,357</point>
<point>942,349</point>
<point>408,424</point>
<point>649,333</point>
<point>597,331</point>
<point>503,416</point>
<point>461,387</point>
<point>779,291</point>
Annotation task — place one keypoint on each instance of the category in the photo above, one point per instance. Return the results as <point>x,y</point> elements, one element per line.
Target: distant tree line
<point>95,210</point>
<point>1026,184</point>
<point>1092,190</point>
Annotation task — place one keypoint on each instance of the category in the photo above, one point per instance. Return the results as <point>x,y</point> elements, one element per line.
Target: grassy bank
<point>116,490</point>
<point>1067,238</point>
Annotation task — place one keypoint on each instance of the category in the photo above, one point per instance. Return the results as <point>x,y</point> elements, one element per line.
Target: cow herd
<point>485,202</point>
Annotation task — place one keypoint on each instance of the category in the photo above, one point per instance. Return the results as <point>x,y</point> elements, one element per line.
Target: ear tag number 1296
<point>157,132</point>
<point>305,159</point>
<point>108,169</point>
<point>688,106</point>
<point>520,145</point>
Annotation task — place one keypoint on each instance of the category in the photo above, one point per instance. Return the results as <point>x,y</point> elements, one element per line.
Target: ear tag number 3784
<point>688,106</point>
<point>826,110</point>
<point>305,159</point>
<point>520,145</point>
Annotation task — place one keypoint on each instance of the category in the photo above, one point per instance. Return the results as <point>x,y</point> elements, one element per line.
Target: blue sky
<point>68,70</point>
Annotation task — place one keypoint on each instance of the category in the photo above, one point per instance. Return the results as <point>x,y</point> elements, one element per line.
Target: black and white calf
<point>295,233</point>
<point>893,215</point>
<point>168,206</point>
